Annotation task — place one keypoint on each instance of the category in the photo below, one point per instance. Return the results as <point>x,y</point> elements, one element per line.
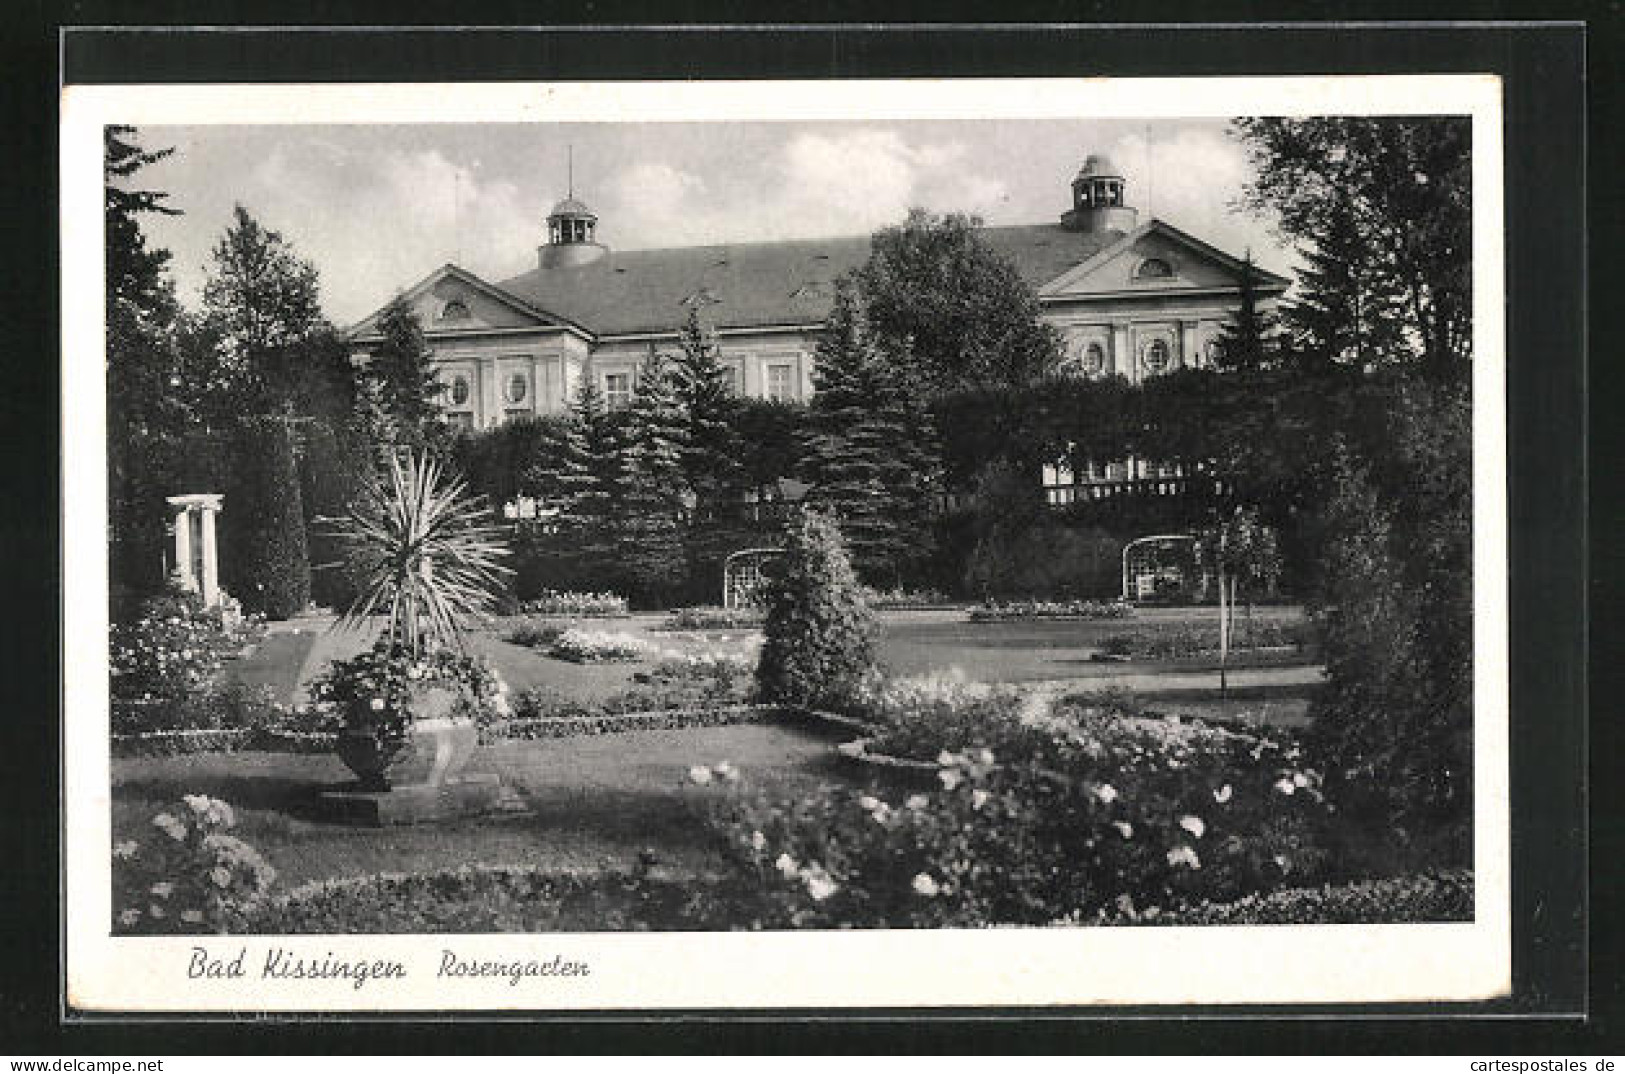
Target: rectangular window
<point>779,386</point>
<point>730,378</point>
<point>617,390</point>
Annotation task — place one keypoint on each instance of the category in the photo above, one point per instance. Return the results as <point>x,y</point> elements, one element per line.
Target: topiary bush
<point>266,559</point>
<point>820,635</point>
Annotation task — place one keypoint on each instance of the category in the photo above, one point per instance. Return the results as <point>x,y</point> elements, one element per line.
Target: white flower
<point>192,917</point>
<point>700,774</point>
<point>786,865</point>
<point>985,757</point>
<point>1124,828</point>
<point>869,802</point>
<point>727,772</point>
<point>1193,825</point>
<point>378,704</point>
<point>163,889</point>
<point>174,828</point>
<point>820,885</point>
<point>1280,859</point>
<point>925,884</point>
<point>1285,786</point>
<point>1222,795</point>
<point>156,912</point>
<point>221,876</point>
<point>1184,856</point>
<point>1299,779</point>
<point>950,778</point>
<point>129,917</point>
<point>758,841</point>
<point>125,850</point>
<point>917,802</point>
<point>946,758</point>
<point>978,799</point>
<point>1106,793</point>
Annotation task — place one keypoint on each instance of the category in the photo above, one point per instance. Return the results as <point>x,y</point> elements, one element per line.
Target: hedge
<point>1445,895</point>
<point>266,558</point>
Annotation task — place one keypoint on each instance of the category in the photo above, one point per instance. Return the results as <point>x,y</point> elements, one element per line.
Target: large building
<point>1128,298</point>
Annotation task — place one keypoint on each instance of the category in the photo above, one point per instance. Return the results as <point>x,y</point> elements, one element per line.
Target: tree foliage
<point>869,455</point>
<point>1391,195</point>
<point>951,310</point>
<point>712,466</point>
<point>819,641</point>
<point>267,565</point>
<point>649,510</point>
<point>398,395</point>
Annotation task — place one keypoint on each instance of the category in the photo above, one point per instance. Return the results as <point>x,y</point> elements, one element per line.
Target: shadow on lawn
<point>297,798</point>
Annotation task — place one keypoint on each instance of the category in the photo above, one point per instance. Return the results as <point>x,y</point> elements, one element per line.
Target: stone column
<point>1123,360</point>
<point>183,543</point>
<point>206,581</point>
<point>1187,345</point>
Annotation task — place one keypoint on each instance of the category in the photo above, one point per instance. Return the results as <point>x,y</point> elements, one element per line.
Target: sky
<point>376,208</point>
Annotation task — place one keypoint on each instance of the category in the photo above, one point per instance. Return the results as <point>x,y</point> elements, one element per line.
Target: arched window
<point>517,387</point>
<point>459,391</point>
<point>1154,268</point>
<point>1156,356</point>
<point>455,310</point>
<point>1215,351</point>
<point>1094,359</point>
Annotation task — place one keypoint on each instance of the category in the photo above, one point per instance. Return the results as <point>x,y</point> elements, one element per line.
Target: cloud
<point>815,184</point>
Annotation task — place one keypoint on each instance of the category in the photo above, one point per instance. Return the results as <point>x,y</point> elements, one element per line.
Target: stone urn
<point>434,750</point>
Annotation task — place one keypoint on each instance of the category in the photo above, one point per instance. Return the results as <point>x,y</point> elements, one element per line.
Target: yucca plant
<point>425,555</point>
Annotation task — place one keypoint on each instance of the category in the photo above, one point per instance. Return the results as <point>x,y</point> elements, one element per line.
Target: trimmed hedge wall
<point>267,560</point>
<point>1446,895</point>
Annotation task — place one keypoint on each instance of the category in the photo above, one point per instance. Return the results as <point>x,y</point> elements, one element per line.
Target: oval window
<point>455,310</point>
<point>1156,356</point>
<point>459,391</point>
<point>517,386</point>
<point>1155,268</point>
<point>1094,359</point>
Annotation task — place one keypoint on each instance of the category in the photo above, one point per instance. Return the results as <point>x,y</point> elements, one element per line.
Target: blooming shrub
<point>535,635</point>
<point>691,682</point>
<point>187,875</point>
<point>215,705</point>
<point>996,611</point>
<point>173,647</point>
<point>600,647</point>
<point>713,618</point>
<point>918,717</point>
<point>560,602</point>
<point>1445,895</point>
<point>1084,812</point>
<point>374,691</point>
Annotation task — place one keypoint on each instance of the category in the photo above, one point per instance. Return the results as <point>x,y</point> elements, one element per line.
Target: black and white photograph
<point>651,545</point>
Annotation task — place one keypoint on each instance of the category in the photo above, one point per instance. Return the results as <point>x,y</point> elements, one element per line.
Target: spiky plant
<point>425,553</point>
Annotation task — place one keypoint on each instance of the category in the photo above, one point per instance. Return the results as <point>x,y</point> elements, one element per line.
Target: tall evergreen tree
<point>1248,341</point>
<point>1343,314</point>
<point>148,406</point>
<point>711,446</point>
<point>648,517</point>
<point>269,568</point>
<point>398,394</point>
<point>870,454</point>
<point>262,330</point>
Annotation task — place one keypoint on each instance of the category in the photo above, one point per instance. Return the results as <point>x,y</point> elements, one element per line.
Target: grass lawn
<point>580,803</point>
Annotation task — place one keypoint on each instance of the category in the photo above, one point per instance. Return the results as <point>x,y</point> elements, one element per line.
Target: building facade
<point>1128,298</point>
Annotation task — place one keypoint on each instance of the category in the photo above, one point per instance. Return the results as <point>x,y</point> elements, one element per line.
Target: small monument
<point>196,561</point>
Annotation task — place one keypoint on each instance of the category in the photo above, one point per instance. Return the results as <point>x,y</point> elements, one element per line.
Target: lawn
<point>575,803</point>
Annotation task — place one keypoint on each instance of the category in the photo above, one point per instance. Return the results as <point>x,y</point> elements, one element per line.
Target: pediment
<point>451,300</point>
<point>1156,259</point>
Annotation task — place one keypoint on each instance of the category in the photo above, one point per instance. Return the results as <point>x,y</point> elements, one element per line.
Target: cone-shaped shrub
<point>820,639</point>
<point>268,559</point>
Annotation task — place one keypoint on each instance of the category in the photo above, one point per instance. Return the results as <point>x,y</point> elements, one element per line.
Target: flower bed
<point>180,743</point>
<point>612,723</point>
<point>577,605</point>
<point>166,663</point>
<point>534,635</point>
<point>1445,895</point>
<point>901,599</point>
<point>998,612</point>
<point>1162,641</point>
<point>600,647</point>
<point>714,618</point>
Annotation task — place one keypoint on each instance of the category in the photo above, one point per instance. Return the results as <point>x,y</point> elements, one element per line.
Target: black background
<point>1546,97</point>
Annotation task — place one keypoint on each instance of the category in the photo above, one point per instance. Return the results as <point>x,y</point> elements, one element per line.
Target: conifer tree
<point>399,394</point>
<point>711,447</point>
<point>591,485</point>
<point>647,519</point>
<point>870,447</point>
<point>1342,313</point>
<point>1248,341</point>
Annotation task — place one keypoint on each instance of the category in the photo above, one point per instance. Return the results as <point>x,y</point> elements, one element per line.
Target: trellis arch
<point>743,578</point>
<point>1161,564</point>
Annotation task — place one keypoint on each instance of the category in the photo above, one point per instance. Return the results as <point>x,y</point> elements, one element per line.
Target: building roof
<point>1099,166</point>
<point>756,285</point>
<point>572,207</point>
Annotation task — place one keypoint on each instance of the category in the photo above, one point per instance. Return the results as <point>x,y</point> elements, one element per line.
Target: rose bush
<point>187,875</point>
<point>372,691</point>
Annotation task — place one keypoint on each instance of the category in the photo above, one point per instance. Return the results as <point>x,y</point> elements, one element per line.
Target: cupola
<point>571,228</point>
<point>1098,198</point>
